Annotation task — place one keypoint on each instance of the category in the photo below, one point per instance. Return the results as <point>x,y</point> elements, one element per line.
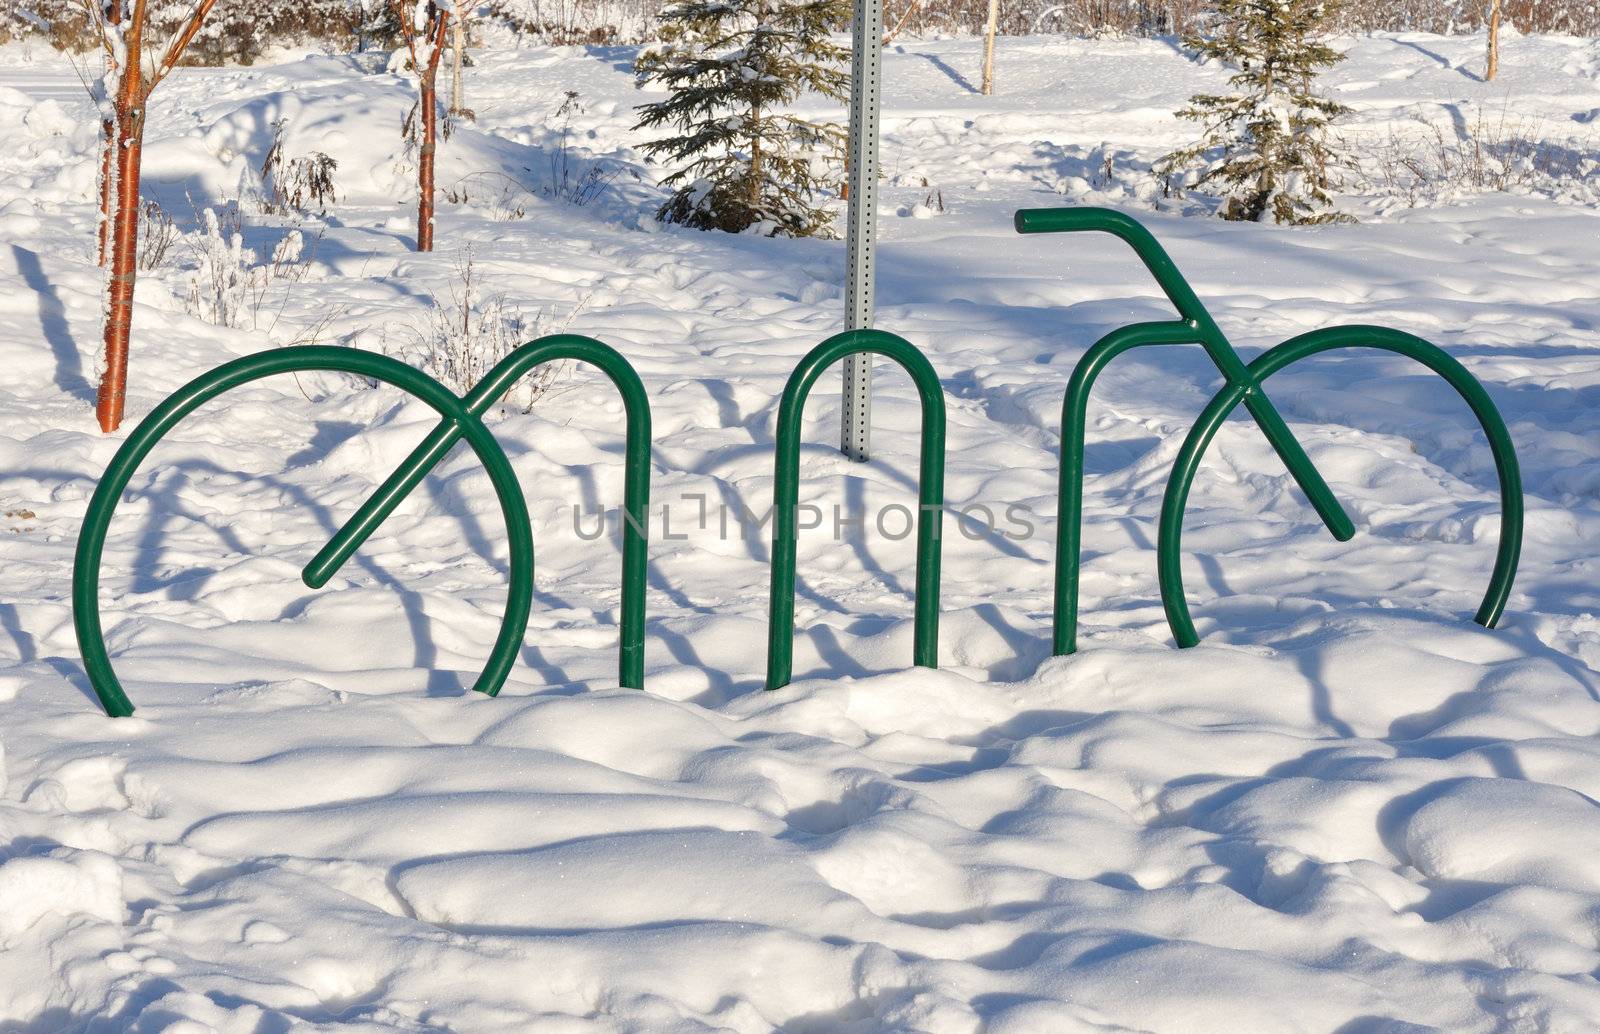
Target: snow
<point>60,884</point>
<point>1349,809</point>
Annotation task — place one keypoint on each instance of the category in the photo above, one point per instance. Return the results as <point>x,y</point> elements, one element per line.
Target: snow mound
<point>65,883</point>
<point>1509,832</point>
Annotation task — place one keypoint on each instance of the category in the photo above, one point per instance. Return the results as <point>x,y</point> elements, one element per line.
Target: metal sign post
<point>865,75</point>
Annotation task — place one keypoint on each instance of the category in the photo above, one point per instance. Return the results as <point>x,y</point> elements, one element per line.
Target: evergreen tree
<point>1276,160</point>
<point>731,66</point>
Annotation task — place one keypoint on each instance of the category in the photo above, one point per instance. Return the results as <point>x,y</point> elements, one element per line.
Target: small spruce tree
<point>731,67</point>
<point>1276,159</point>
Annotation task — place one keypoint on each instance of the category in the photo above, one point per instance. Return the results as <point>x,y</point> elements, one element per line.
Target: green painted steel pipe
<point>1169,545</point>
<point>1074,430</point>
<point>494,386</point>
<point>1130,230</point>
<point>1209,336</point>
<point>786,494</point>
<point>102,505</point>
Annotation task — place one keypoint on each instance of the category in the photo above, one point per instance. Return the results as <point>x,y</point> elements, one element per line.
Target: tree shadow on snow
<point>1443,61</point>
<point>168,511</point>
<point>944,66</point>
<point>53,323</point>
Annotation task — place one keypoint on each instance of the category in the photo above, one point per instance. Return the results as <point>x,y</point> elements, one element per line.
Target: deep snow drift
<point>1348,810</point>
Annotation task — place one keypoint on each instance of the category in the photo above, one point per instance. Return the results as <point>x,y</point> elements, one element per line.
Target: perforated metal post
<point>865,78</point>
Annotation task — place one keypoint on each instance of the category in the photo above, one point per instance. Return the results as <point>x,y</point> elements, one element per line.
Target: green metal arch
<point>494,386</point>
<point>1195,326</point>
<point>102,505</point>
<point>786,493</point>
<point>1069,487</point>
<point>1169,543</point>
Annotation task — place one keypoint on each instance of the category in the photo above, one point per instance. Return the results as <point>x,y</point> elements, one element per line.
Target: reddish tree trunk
<point>430,130</point>
<point>123,230</point>
<point>428,112</point>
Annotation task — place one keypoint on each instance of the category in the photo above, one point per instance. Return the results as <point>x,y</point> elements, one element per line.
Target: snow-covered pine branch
<point>731,67</point>
<point>1264,148</point>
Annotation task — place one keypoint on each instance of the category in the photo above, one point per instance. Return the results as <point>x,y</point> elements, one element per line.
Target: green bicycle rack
<point>786,494</point>
<point>1243,384</point>
<point>460,418</point>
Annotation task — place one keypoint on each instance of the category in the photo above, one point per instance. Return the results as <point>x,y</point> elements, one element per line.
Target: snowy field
<point>1349,810</point>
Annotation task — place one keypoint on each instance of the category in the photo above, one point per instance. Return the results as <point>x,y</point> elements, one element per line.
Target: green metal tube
<point>1300,467</point>
<point>786,494</point>
<point>1074,429</point>
<point>378,506</point>
<point>1129,229</point>
<point>1169,545</point>
<point>1206,333</point>
<point>494,386</point>
<point>102,505</point>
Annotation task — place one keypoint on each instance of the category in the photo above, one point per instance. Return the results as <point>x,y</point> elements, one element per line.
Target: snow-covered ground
<point>1349,809</point>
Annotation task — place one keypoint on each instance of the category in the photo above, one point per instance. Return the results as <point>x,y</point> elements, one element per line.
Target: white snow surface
<point>1348,810</point>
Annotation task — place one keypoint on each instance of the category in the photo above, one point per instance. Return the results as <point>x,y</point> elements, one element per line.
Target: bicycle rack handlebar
<point>1129,229</point>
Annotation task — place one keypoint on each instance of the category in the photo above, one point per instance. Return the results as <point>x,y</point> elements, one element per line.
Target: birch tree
<point>990,29</point>
<point>423,24</point>
<point>1493,67</point>
<point>132,72</point>
<point>458,58</point>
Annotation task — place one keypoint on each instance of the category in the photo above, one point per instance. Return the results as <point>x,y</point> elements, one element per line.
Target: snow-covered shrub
<point>20,22</point>
<point>241,31</point>
<point>1093,18</point>
<point>157,234</point>
<point>1429,164</point>
<point>570,175</point>
<point>574,22</point>
<point>65,23</point>
<point>466,334</point>
<point>222,278</point>
<point>572,178</point>
<point>296,184</point>
<point>731,66</point>
<point>228,285</point>
<point>1264,149</point>
<point>501,198</point>
<point>505,198</point>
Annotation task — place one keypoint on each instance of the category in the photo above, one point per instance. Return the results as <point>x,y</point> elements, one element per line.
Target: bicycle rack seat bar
<point>494,386</point>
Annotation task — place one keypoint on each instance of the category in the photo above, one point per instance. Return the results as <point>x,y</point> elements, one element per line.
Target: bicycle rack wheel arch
<point>1244,385</point>
<point>1187,465</point>
<point>461,418</point>
<point>786,493</point>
